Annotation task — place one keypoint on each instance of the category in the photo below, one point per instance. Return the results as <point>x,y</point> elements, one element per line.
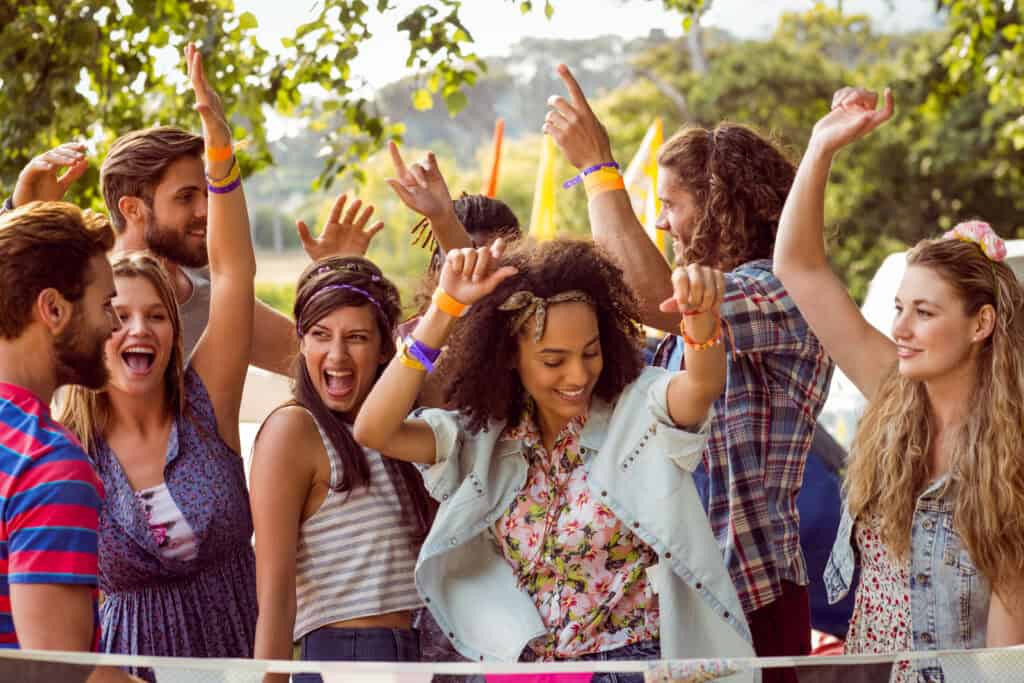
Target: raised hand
<point>344,235</point>
<point>697,294</point>
<point>468,275</point>
<point>421,187</point>
<point>574,126</point>
<point>216,131</point>
<point>854,114</point>
<point>41,179</point>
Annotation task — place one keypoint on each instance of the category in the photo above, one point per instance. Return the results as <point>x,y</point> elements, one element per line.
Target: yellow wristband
<point>601,181</point>
<point>446,303</point>
<point>405,359</point>
<point>216,154</point>
<point>234,174</point>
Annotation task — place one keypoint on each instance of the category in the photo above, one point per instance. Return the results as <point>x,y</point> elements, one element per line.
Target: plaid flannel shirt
<point>777,379</point>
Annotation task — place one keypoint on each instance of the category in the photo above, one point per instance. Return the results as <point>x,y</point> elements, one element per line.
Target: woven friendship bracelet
<point>577,179</point>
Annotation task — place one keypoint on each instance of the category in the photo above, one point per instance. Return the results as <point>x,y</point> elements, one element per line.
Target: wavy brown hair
<point>86,412</point>
<point>480,379</point>
<point>889,466</point>
<point>740,181</point>
<point>313,301</point>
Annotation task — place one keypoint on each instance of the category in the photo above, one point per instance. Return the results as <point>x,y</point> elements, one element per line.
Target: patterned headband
<point>351,288</point>
<point>344,268</point>
<point>528,303</point>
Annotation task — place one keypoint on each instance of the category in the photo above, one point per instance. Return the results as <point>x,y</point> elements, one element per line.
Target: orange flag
<point>491,188</point>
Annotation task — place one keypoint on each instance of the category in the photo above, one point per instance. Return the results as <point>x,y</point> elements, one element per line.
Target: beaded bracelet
<point>577,179</point>
<point>446,303</point>
<point>216,154</point>
<point>604,180</point>
<point>426,355</point>
<point>714,340</point>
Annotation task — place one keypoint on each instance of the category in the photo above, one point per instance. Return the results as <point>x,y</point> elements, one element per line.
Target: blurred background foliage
<point>81,69</point>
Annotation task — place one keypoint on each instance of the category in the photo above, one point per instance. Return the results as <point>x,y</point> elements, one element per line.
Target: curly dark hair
<point>480,381</point>
<point>740,181</point>
<point>314,301</point>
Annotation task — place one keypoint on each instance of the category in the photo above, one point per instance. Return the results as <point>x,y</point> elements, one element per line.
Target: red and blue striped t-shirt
<point>50,500</point>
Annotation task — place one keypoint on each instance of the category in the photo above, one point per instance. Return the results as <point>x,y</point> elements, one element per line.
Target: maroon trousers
<point>782,629</point>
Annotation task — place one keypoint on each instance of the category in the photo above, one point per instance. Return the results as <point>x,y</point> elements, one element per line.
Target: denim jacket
<point>949,599</point>
<point>639,465</point>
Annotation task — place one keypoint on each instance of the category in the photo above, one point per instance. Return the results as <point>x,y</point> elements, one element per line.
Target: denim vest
<point>949,599</point>
<point>639,465</point>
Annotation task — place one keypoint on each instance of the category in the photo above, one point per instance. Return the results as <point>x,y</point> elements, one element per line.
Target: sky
<point>497,24</point>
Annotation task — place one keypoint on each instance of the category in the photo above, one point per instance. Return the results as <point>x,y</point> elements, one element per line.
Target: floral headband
<point>982,234</point>
<point>528,303</point>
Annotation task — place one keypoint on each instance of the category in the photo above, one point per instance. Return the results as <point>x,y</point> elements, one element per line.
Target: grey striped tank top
<point>355,556</point>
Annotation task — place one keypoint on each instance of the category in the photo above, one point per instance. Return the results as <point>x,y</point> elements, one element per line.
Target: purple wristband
<point>421,352</point>
<point>230,187</point>
<point>576,180</point>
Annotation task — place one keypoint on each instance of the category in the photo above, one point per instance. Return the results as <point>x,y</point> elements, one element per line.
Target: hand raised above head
<point>468,275</point>
<point>216,131</point>
<point>574,126</point>
<point>41,179</point>
<point>854,114</point>
<point>343,235</point>
<point>421,186</point>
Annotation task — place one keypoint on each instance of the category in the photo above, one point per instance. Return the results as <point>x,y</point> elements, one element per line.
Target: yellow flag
<point>542,218</point>
<point>641,180</point>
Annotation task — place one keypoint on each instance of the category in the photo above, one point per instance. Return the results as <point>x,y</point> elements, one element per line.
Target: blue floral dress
<point>155,605</point>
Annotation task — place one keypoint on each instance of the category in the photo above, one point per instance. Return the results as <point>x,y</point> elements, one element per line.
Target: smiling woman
<point>317,494</point>
<point>176,527</point>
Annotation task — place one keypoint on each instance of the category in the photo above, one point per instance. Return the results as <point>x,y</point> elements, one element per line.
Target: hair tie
<point>351,288</point>
<point>528,303</point>
<point>982,234</point>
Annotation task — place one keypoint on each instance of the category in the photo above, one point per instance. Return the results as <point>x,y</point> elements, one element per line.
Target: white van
<point>845,403</point>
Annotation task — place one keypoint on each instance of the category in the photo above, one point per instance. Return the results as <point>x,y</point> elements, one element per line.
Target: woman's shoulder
<point>290,430</point>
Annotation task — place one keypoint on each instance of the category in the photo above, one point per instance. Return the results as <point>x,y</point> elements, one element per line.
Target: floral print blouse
<point>881,614</point>
<point>584,569</point>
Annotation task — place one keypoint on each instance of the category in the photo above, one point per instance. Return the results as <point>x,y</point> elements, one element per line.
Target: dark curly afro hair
<point>480,379</point>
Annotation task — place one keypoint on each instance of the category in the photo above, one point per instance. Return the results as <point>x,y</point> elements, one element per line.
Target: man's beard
<point>170,244</point>
<point>80,355</point>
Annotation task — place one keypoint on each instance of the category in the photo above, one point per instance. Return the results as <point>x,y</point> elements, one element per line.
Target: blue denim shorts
<point>357,645</point>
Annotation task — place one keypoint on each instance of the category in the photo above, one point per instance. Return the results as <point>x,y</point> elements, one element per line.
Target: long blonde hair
<point>86,412</point>
<point>889,465</point>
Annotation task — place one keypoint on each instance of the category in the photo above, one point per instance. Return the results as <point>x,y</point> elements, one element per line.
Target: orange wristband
<point>216,154</point>
<point>446,303</point>
<point>604,180</point>
<point>714,340</point>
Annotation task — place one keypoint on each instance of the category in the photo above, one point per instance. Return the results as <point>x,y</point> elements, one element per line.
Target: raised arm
<point>697,298</point>
<point>422,188</point>
<point>467,276</point>
<point>282,475</point>
<point>584,141</point>
<point>274,343</point>
<point>861,351</point>
<point>222,353</point>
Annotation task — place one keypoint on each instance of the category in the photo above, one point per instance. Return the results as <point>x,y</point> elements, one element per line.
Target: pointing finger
<point>575,91</point>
